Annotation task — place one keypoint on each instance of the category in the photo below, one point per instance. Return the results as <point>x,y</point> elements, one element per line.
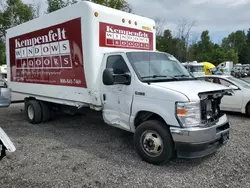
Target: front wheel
<point>154,142</point>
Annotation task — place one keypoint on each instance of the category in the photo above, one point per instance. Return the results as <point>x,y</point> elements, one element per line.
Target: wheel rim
<point>30,112</point>
<point>151,143</point>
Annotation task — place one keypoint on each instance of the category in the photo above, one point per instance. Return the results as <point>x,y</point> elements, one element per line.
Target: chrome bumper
<point>198,142</point>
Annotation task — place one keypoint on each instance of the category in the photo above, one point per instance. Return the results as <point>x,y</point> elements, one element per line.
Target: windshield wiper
<point>160,76</point>
<point>181,75</point>
<point>184,75</point>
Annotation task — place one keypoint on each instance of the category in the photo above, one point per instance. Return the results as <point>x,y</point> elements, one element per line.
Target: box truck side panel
<point>51,56</point>
<point>56,74</point>
<point>58,57</point>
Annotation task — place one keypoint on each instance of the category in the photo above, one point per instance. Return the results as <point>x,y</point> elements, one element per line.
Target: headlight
<point>188,113</point>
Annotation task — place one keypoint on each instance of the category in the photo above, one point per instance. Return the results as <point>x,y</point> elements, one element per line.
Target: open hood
<point>193,87</point>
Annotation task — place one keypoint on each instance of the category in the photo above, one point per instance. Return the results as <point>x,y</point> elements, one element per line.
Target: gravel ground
<point>81,151</point>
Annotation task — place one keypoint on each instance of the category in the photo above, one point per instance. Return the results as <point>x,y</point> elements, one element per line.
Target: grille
<point>210,110</point>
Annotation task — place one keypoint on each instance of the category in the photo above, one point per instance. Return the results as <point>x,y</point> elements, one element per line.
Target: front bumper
<point>198,142</point>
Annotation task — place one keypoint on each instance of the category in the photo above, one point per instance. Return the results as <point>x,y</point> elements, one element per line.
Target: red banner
<point>52,55</point>
<point>115,36</point>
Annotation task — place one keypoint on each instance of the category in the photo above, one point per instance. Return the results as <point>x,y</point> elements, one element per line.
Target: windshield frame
<point>160,79</point>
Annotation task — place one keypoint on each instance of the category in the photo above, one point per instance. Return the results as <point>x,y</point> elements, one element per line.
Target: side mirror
<point>107,77</point>
<point>233,87</point>
<point>126,78</point>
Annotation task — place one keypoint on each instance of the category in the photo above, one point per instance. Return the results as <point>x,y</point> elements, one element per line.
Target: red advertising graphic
<point>115,36</point>
<point>52,55</point>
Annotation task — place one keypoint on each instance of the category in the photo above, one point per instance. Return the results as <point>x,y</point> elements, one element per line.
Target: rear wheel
<point>46,111</point>
<point>154,142</point>
<point>33,111</point>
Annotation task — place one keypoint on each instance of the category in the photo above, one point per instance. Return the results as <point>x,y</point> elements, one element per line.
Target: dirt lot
<point>82,151</point>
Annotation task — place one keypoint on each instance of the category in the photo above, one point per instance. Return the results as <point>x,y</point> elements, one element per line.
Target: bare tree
<point>36,8</point>
<point>183,33</point>
<point>2,5</point>
<point>160,23</point>
<point>184,27</point>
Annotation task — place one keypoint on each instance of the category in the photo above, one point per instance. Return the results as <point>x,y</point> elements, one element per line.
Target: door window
<point>225,83</point>
<point>119,66</point>
<point>117,63</point>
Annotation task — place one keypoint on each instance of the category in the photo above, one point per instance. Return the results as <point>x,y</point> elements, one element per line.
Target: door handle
<point>104,97</point>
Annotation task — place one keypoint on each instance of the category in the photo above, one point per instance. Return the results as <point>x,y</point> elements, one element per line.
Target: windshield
<point>240,82</point>
<point>155,65</point>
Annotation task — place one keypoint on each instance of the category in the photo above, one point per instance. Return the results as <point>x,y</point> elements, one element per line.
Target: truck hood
<point>191,88</point>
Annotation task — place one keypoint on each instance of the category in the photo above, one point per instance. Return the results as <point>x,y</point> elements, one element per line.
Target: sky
<point>220,17</point>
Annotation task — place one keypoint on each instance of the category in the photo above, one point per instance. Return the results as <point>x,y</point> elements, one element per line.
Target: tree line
<point>235,47</point>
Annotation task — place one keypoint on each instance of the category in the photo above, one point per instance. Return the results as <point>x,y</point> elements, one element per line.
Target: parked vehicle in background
<point>91,56</point>
<point>240,100</point>
<point>15,97</point>
<point>226,67</point>
<point>237,71</point>
<point>5,100</point>
<point>195,68</point>
<point>210,69</point>
<point>3,72</point>
<point>246,69</point>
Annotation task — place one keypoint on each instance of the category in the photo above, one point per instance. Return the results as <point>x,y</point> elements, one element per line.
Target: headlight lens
<point>188,113</point>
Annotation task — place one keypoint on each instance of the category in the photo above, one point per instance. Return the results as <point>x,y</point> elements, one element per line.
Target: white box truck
<point>91,56</point>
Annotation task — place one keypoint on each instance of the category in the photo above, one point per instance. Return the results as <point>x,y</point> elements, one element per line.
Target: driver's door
<point>117,98</point>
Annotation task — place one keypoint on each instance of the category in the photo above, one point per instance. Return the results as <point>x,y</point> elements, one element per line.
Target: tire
<point>158,133</point>
<point>46,111</point>
<point>33,111</point>
<point>248,109</point>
